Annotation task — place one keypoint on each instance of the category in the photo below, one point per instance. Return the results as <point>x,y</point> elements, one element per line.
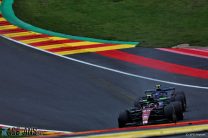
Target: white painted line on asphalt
<point>201,50</point>
<point>182,53</point>
<point>110,69</point>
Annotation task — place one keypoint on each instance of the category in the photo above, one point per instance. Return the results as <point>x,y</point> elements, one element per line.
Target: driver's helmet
<point>150,98</point>
<point>158,87</point>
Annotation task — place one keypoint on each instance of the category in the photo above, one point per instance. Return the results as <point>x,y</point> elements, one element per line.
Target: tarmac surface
<point>44,91</point>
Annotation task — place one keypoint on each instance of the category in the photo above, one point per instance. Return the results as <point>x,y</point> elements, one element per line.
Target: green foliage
<point>154,23</point>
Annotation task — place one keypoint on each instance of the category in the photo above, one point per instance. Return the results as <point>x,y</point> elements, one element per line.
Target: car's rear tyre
<point>170,113</point>
<point>173,111</point>
<point>178,110</point>
<point>180,99</point>
<point>183,94</point>
<point>123,119</point>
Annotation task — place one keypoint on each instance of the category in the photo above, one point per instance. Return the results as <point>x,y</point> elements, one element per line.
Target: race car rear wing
<point>164,89</point>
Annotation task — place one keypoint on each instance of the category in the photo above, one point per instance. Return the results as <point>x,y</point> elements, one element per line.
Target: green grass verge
<point>154,23</point>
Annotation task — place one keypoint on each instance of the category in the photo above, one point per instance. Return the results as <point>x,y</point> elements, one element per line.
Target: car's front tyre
<point>123,119</point>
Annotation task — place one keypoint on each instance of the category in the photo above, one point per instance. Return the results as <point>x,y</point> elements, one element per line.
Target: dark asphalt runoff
<point>44,91</point>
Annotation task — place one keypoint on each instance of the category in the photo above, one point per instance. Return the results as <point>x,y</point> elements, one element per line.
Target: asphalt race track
<point>45,91</point>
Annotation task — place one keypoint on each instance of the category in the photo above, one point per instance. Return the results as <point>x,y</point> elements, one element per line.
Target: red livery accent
<point>145,115</point>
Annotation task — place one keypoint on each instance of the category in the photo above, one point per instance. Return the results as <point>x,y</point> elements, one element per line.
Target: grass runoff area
<point>154,23</point>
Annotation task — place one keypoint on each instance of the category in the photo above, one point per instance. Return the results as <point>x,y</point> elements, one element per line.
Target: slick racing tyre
<point>123,119</point>
<point>170,113</point>
<point>183,95</point>
<point>180,99</point>
<point>173,111</point>
<point>178,110</point>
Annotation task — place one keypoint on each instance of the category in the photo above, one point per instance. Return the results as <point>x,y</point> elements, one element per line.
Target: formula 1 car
<point>167,94</point>
<point>158,106</point>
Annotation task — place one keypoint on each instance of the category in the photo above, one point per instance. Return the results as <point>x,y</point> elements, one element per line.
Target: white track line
<point>182,53</point>
<point>201,50</point>
<point>109,69</point>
